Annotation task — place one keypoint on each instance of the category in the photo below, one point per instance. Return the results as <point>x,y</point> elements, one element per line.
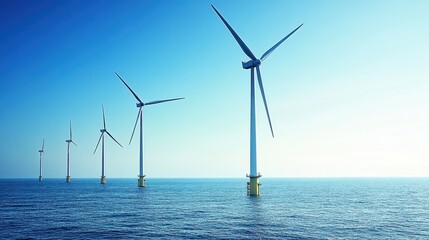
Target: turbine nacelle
<point>104,130</point>
<point>254,62</point>
<point>251,64</point>
<point>139,104</point>
<point>41,151</point>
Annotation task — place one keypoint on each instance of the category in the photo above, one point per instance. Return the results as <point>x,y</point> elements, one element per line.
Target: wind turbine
<point>253,185</point>
<point>140,104</point>
<point>41,152</point>
<point>68,141</point>
<point>104,130</point>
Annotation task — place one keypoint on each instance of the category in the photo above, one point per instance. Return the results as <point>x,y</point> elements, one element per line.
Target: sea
<point>305,208</point>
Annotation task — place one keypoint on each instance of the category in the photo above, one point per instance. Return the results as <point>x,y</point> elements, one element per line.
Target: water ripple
<point>215,209</point>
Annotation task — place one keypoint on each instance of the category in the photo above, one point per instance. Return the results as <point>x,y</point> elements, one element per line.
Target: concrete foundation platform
<point>103,180</point>
<point>142,181</point>
<point>253,186</point>
<point>68,179</point>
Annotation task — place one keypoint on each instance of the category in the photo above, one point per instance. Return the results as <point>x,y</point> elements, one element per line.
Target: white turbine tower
<point>253,185</point>
<point>68,141</point>
<point>140,104</point>
<point>41,152</point>
<point>104,130</point>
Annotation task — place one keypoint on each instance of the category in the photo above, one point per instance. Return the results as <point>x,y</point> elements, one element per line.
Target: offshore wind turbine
<point>253,185</point>
<point>68,141</point>
<point>41,152</point>
<point>140,104</point>
<point>104,130</point>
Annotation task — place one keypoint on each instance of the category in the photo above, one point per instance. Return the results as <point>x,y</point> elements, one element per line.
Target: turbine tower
<point>253,184</point>
<point>140,104</point>
<point>41,152</point>
<point>68,141</point>
<point>104,130</point>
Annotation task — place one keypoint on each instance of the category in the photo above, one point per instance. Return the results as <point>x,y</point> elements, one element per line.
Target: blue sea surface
<point>368,208</point>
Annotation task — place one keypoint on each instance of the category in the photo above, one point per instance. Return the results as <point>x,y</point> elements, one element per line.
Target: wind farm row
<point>254,63</point>
<point>140,104</point>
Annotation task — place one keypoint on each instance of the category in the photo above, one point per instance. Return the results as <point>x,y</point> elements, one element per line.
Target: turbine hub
<point>251,64</point>
<point>139,105</point>
<point>102,130</point>
<point>68,141</point>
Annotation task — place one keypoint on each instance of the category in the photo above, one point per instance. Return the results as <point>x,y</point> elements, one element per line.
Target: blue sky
<point>348,93</point>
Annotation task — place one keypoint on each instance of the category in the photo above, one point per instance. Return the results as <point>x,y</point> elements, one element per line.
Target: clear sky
<point>348,93</point>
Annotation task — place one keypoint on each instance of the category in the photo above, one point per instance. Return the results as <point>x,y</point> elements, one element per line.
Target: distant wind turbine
<point>104,130</point>
<point>253,185</point>
<point>140,104</point>
<point>41,152</point>
<point>68,141</point>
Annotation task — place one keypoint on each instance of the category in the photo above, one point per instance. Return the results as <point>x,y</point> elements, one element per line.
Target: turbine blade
<point>101,135</point>
<point>74,143</point>
<point>161,101</point>
<point>70,131</point>
<point>135,95</point>
<point>104,120</point>
<point>261,87</point>
<point>43,145</point>
<point>113,138</point>
<point>243,46</point>
<point>267,53</point>
<point>135,125</point>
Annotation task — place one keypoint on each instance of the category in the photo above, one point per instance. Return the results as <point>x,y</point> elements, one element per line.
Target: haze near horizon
<point>347,93</point>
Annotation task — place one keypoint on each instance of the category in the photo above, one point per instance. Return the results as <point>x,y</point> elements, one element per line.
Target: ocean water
<point>214,209</point>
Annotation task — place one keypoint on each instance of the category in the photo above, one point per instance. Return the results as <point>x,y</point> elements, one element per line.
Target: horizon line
<point>316,177</point>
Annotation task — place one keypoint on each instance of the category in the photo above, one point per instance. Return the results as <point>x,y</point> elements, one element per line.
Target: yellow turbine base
<point>68,179</point>
<point>40,178</point>
<point>142,181</point>
<point>253,186</point>
<point>103,180</point>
